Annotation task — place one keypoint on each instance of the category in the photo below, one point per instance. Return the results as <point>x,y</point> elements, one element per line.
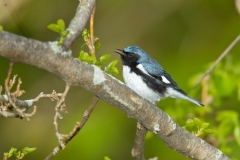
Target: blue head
<point>133,55</point>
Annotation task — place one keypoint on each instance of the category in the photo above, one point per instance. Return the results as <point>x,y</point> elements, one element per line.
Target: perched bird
<point>147,78</point>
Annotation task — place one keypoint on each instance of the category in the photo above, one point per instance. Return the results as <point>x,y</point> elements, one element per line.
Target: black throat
<point>152,82</point>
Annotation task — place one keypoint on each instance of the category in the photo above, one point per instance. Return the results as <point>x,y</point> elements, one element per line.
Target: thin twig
<point>7,89</point>
<point>218,60</point>
<point>91,40</point>
<point>138,148</point>
<point>53,96</point>
<point>7,79</point>
<point>78,22</point>
<point>27,115</point>
<point>77,127</point>
<point>58,115</point>
<point>26,104</point>
<point>92,29</point>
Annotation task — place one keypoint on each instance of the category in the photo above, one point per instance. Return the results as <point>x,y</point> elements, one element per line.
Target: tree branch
<point>78,23</point>
<point>138,148</point>
<point>28,51</point>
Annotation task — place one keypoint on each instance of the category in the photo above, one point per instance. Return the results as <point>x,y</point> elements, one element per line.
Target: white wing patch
<point>164,79</point>
<point>140,66</point>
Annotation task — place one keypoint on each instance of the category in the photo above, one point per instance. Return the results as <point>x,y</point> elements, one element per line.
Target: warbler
<point>147,77</point>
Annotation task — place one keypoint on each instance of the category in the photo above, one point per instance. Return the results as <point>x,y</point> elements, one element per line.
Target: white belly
<point>136,83</point>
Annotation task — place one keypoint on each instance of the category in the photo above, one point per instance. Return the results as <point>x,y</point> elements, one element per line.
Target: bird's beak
<point>119,51</point>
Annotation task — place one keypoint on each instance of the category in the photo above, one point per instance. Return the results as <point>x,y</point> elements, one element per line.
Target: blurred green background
<point>184,36</point>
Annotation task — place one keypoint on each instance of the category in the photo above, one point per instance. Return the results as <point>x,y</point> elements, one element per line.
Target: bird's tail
<point>193,101</point>
<point>178,93</point>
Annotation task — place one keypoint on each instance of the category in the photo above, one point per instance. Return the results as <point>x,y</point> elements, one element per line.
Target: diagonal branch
<point>40,54</point>
<point>218,60</point>
<point>85,117</point>
<point>76,129</point>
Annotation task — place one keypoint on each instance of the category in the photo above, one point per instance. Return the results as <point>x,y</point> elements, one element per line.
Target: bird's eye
<point>130,55</point>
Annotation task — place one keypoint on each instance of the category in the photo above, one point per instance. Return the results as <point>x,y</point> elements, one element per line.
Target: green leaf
<point>85,57</point>
<point>111,69</point>
<point>113,63</point>
<point>59,28</point>
<point>98,64</point>
<point>93,59</point>
<point>1,28</point>
<point>27,150</point>
<point>106,158</point>
<point>196,127</point>
<point>85,33</point>
<point>12,150</point>
<point>61,25</point>
<point>54,27</point>
<point>17,154</point>
<point>114,70</point>
<point>97,46</point>
<point>104,58</point>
